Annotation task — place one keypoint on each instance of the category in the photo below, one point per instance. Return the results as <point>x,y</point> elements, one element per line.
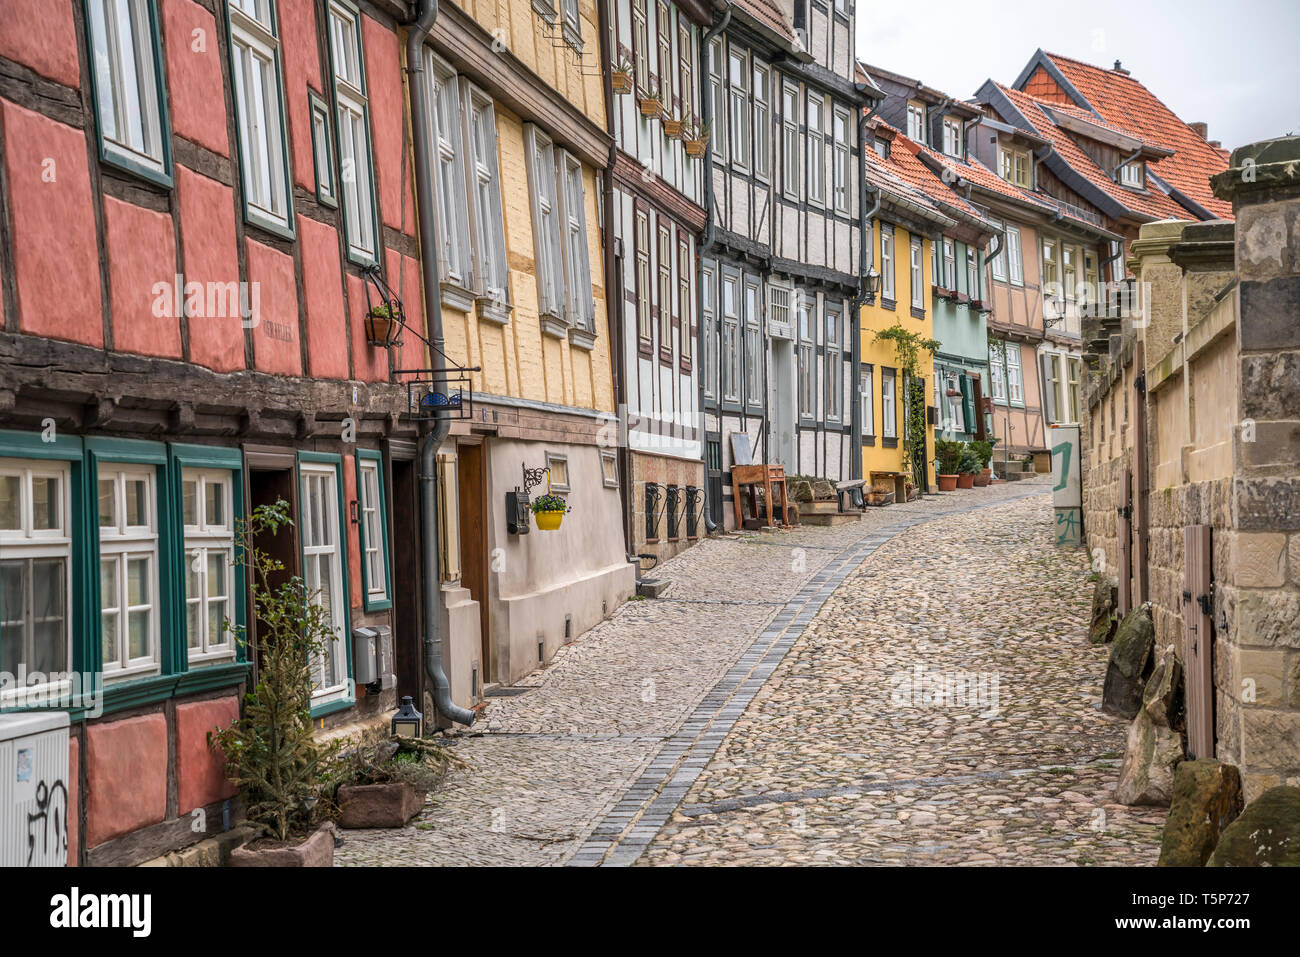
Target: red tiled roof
<point>985,178</point>
<point>768,13</point>
<point>1128,104</point>
<point>886,174</point>
<point>1152,202</point>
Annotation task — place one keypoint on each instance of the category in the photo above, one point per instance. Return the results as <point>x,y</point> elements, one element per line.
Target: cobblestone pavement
<point>748,715</point>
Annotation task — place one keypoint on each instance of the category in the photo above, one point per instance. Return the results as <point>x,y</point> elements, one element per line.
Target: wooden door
<point>1124,531</point>
<point>472,494</point>
<point>408,581</point>
<point>1198,639</point>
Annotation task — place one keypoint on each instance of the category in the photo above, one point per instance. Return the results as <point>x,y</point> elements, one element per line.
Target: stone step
<point>651,587</point>
<point>828,518</point>
<point>819,508</point>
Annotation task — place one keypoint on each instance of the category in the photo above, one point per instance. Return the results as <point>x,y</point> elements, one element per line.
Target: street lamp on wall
<point>873,282</point>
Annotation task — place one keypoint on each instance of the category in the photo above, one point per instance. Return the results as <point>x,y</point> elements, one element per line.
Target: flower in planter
<point>622,76</point>
<point>384,324</point>
<point>650,102</point>
<point>548,511</point>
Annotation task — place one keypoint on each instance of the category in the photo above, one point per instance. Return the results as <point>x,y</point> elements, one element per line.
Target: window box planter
<point>961,297</point>
<point>391,804</point>
<point>621,81</point>
<point>316,851</point>
<point>650,107</point>
<point>943,292</point>
<point>948,483</point>
<point>672,128</point>
<point>982,305</point>
<point>694,147</point>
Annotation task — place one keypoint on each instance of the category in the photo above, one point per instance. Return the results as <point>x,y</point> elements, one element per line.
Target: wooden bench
<point>895,480</point>
<point>850,494</point>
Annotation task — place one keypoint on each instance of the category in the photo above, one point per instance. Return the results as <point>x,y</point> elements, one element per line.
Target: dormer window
<point>1132,175</point>
<point>1013,166</point>
<point>952,136</point>
<point>916,121</point>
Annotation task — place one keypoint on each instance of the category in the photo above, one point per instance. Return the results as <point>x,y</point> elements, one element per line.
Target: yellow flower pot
<point>548,521</point>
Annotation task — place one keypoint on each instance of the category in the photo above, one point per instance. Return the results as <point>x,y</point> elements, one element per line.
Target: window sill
<point>869,440</point>
<point>553,327</point>
<point>456,297</point>
<point>889,304</point>
<point>581,338</point>
<point>918,313</point>
<point>490,310</point>
<point>889,443</point>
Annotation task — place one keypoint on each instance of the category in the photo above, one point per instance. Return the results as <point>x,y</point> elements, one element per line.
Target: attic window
<point>1013,166</point>
<point>1131,174</point>
<point>916,122</point>
<point>952,136</point>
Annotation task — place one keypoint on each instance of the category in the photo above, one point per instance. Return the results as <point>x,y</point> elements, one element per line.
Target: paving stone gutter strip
<point>622,835</point>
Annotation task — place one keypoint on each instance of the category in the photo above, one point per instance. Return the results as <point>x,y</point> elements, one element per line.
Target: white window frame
<point>491,282</point>
<point>887,277</point>
<point>997,374</point>
<point>752,305</point>
<point>548,234</point>
<point>999,262</point>
<point>762,141</point>
<point>866,399</point>
<point>949,265</point>
<point>952,136</point>
<point>259,114</point>
<point>889,405</point>
<point>1015,262</point>
<point>840,166</point>
<point>447,147</point>
<point>834,363</point>
<point>972,273</point>
<point>917,275</point>
<point>352,129</point>
<point>206,538</point>
<point>717,91</point>
<point>121,544</point>
<point>816,149</point>
<point>374,558</point>
<point>709,318</point>
<point>572,193</point>
<point>731,337</point>
<point>131,113</point>
<point>956,403</point>
<point>325,511</point>
<point>645,326</point>
<point>686,298</point>
<point>805,306</point>
<point>28,544</point>
<point>1015,380</point>
<point>738,115</point>
<point>664,284</point>
<point>1131,175</point>
<point>790,152</point>
<point>916,122</point>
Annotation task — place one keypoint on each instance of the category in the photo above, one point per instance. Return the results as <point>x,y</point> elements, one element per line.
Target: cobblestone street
<point>777,705</point>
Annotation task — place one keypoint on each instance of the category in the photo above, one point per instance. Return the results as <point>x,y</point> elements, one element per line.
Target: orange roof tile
<point>1125,102</point>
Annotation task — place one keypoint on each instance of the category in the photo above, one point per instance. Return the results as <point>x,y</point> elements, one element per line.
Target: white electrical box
<point>34,789</point>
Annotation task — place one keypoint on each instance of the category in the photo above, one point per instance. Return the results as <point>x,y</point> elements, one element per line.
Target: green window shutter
<point>967,402</point>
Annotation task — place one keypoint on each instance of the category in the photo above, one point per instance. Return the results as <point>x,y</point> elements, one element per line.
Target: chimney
<point>1200,129</point>
<point>1119,68</point>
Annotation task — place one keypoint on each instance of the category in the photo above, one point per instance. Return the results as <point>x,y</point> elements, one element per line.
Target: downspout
<point>614,302</point>
<point>865,238</point>
<point>430,276</point>
<point>706,242</point>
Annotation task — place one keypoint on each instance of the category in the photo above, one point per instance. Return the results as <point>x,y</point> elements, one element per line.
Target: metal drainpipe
<point>430,274</point>
<point>614,315</point>
<point>706,241</point>
<point>855,459</point>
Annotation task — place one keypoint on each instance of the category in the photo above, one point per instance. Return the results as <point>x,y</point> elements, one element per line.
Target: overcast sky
<point>1233,66</point>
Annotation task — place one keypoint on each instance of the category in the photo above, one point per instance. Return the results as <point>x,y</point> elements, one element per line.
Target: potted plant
<point>384,324</point>
<point>621,79</point>
<point>271,752</point>
<point>382,781</point>
<point>947,460</point>
<point>967,466</point>
<point>651,105</point>
<point>548,511</point>
<point>696,139</point>
<point>673,127</point>
<point>984,448</point>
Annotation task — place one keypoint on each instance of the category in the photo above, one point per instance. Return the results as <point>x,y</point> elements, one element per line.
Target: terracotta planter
<point>966,480</point>
<point>382,329</point>
<point>378,805</point>
<point>650,108</point>
<point>315,851</point>
<point>982,479</point>
<point>548,521</point>
<point>621,82</point>
<point>694,148</point>
<point>947,483</point>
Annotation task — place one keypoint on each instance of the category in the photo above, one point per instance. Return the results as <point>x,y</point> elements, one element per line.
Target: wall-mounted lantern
<point>873,281</point>
<point>408,723</point>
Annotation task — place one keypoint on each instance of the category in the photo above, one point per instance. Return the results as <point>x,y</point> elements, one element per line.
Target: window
<point>918,285</point>
<point>1090,275</point>
<point>1051,275</point>
<point>936,276</point>
<point>790,140</point>
<point>731,338</point>
<point>1131,174</point>
<point>718,106</point>
<point>322,567</point>
<point>548,239</point>
<point>127,77</point>
<point>644,327</point>
<point>577,265</point>
<point>1015,390</point>
<point>1072,385</point>
<point>1015,266</point>
<point>997,375</point>
<point>1050,388</point>
<point>866,398</point>
<point>352,123</point>
<point>949,265</point>
<point>999,262</point>
<point>1013,166</point>
<point>254,67</point>
<point>558,472</point>
<point>753,346</point>
<point>664,41</point>
<point>972,274</point>
<point>762,121</point>
<point>887,262</point>
<point>956,414</point>
<point>888,404</point>
<point>572,24</point>
<point>374,533</point>
<point>1070,271</point>
<point>322,148</point>
<point>608,468</point>
<point>641,45</point>
<point>128,569</point>
<point>807,358</point>
<point>208,520</point>
<point>665,301</point>
<point>952,136</point>
<point>449,154</point>
<point>686,45</point>
<point>816,150</point>
<point>487,225</point>
<point>738,86</point>
<point>35,567</point>
<point>834,365</point>
<point>709,318</point>
<point>916,122</point>
<point>840,185</point>
<point>685,308</point>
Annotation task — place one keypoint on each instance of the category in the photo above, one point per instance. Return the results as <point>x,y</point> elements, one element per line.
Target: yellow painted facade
<point>518,360</point>
<point>886,455</point>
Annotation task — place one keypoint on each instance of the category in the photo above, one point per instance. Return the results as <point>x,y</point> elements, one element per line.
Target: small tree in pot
<point>984,449</point>
<point>947,459</point>
<point>967,467</point>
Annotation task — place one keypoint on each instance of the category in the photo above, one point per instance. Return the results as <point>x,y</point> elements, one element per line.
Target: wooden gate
<point>1124,530</point>
<point>1198,639</point>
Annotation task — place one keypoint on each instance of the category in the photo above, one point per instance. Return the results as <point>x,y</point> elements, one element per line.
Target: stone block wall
<point>664,470</point>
